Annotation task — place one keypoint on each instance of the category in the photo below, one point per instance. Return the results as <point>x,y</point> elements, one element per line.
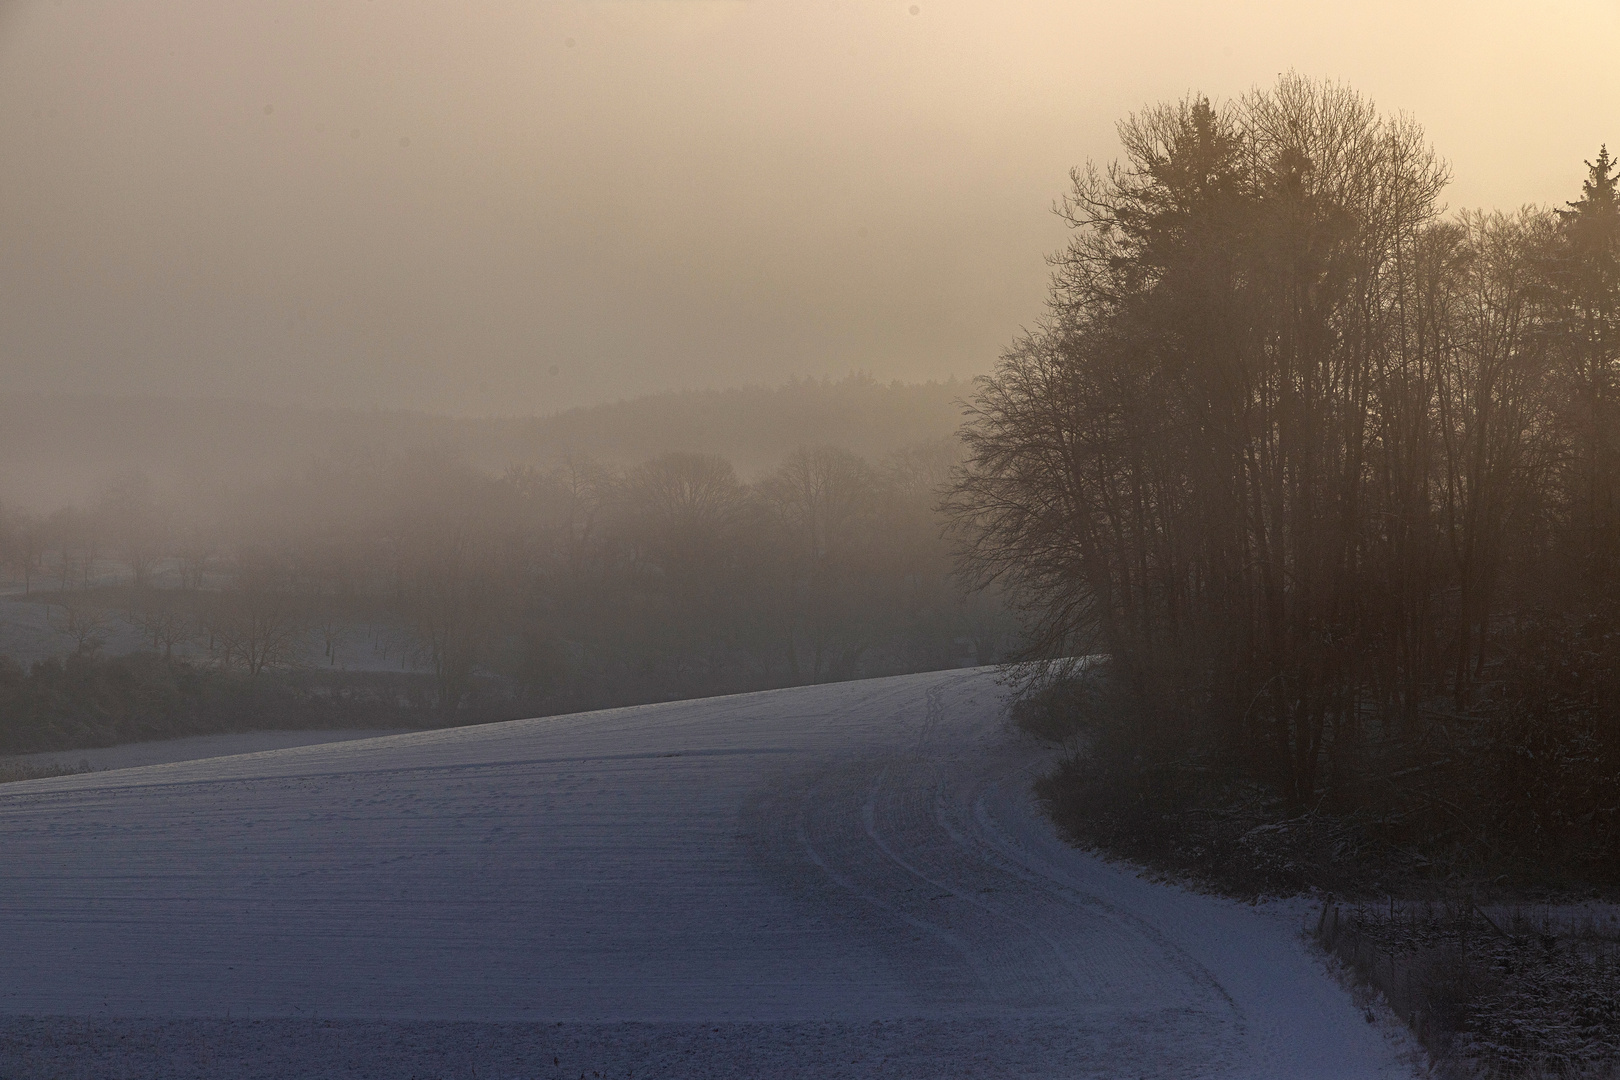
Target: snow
<point>841,880</point>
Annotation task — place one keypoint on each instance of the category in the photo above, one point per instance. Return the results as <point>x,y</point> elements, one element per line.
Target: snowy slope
<point>847,873</point>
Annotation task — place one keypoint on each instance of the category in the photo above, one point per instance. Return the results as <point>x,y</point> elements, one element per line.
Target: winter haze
<point>826,540</point>
<point>431,206</point>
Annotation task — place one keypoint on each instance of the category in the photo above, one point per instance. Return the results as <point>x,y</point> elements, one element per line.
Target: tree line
<point>537,589</point>
<point>1324,469</point>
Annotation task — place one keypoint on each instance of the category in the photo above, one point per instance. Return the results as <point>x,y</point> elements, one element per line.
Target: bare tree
<point>825,502</point>
<point>453,595</point>
<point>1494,414</point>
<point>196,555</point>
<point>27,549</point>
<point>259,621</point>
<point>161,614</point>
<point>77,539</point>
<point>127,511</point>
<point>83,621</point>
<point>1195,463</point>
<point>460,568</point>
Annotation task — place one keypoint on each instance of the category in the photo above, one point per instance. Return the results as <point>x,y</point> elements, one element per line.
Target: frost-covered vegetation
<point>1496,991</point>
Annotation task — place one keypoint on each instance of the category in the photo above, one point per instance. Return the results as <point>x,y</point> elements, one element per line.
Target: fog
<point>514,208</point>
<point>1230,390</point>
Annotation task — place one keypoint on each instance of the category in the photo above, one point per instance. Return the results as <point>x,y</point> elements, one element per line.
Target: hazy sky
<point>517,207</point>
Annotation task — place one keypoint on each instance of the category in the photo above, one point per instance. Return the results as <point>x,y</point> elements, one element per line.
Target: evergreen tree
<point>1584,322</point>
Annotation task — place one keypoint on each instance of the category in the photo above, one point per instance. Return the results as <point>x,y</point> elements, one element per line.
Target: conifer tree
<point>1584,322</point>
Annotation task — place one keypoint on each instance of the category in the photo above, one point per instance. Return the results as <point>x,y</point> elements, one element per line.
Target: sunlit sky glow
<point>434,205</point>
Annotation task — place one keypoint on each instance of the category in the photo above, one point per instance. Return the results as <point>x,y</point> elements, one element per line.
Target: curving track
<point>844,880</point>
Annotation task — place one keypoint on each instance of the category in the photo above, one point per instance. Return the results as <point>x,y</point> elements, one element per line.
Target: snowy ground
<point>844,880</point>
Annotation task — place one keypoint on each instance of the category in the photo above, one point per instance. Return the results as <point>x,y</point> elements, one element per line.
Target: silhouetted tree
<point>1583,323</point>
<point>259,620</point>
<point>1206,461</point>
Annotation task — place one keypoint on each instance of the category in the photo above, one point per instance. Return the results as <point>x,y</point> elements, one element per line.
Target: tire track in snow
<point>794,868</point>
<point>1007,942</point>
<point>923,840</point>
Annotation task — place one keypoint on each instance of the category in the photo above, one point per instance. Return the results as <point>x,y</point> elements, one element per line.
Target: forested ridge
<point>59,449</point>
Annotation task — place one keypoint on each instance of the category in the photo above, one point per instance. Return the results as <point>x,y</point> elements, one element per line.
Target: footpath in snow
<point>842,880</point>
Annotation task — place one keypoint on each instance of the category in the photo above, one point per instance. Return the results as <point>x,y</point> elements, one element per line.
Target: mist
<point>518,208</point>
<point>831,539</point>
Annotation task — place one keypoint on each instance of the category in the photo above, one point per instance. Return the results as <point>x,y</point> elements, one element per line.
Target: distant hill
<point>60,449</point>
<point>755,427</point>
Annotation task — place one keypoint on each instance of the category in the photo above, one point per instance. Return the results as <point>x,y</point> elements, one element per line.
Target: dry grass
<point>16,770</point>
<point>1494,991</point>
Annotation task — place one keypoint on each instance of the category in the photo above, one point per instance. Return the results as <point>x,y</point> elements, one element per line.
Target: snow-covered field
<point>842,880</point>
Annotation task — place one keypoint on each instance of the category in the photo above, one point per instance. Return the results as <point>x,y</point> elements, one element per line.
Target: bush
<point>89,700</point>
